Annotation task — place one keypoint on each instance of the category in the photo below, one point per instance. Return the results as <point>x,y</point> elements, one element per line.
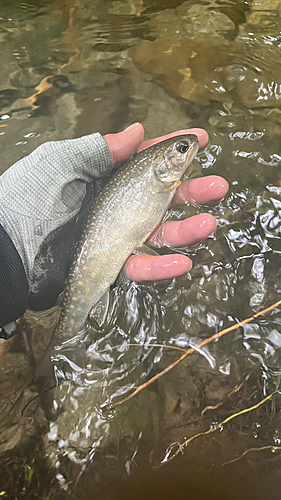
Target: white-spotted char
<point>121,219</point>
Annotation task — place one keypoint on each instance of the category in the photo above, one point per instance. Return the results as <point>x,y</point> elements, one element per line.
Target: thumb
<point>125,143</point>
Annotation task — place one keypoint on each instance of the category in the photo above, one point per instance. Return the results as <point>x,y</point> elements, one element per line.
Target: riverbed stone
<point>264,13</point>
<point>21,415</point>
<point>181,57</point>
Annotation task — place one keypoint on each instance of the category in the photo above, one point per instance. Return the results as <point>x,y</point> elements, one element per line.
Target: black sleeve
<point>13,281</point>
<point>50,270</point>
<point>51,267</point>
<point>55,255</point>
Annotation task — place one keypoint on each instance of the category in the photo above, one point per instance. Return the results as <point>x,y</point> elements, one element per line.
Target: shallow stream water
<point>72,67</point>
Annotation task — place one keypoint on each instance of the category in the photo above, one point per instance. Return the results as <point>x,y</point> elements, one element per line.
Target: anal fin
<point>100,309</point>
<point>146,250</point>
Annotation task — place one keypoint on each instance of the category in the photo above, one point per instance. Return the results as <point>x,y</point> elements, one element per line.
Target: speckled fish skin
<point>121,219</point>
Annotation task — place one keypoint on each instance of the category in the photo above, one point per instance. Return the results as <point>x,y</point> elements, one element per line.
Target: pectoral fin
<point>122,278</point>
<point>175,185</point>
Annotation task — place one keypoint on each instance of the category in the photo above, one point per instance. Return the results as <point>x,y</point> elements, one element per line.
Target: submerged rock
<point>199,55</point>
<point>253,77</point>
<point>264,13</point>
<point>21,415</point>
<point>188,53</point>
<point>5,346</point>
<point>196,22</point>
<point>187,68</point>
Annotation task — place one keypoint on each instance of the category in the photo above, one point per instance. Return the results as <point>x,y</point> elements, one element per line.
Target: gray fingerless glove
<point>45,190</point>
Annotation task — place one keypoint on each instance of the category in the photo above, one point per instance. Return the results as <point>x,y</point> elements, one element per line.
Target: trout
<point>121,219</point>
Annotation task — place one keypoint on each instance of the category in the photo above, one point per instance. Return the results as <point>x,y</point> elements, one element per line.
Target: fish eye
<point>182,146</point>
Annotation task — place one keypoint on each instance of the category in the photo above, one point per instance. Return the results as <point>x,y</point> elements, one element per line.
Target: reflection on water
<point>73,67</point>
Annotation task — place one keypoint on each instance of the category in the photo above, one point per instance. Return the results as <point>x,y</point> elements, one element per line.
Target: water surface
<point>74,67</point>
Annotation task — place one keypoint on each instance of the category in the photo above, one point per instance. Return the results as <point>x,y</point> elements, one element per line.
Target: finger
<point>202,135</point>
<point>185,232</point>
<point>125,143</point>
<point>147,268</point>
<point>203,190</point>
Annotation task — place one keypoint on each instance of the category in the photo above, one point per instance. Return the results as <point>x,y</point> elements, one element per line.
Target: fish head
<point>173,156</point>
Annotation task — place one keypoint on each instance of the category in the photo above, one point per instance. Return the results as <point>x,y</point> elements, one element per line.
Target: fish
<point>121,219</point>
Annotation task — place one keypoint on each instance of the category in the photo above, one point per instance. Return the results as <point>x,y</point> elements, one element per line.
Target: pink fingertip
<point>184,233</point>
<point>202,190</point>
<point>124,144</point>
<point>147,268</point>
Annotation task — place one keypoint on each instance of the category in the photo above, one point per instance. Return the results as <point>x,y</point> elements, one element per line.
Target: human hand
<point>170,234</point>
<point>44,200</point>
<point>40,209</point>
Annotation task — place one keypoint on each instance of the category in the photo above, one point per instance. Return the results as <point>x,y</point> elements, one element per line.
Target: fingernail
<point>131,127</point>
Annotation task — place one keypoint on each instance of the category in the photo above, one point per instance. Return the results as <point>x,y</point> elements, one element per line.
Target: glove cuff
<point>14,286</point>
